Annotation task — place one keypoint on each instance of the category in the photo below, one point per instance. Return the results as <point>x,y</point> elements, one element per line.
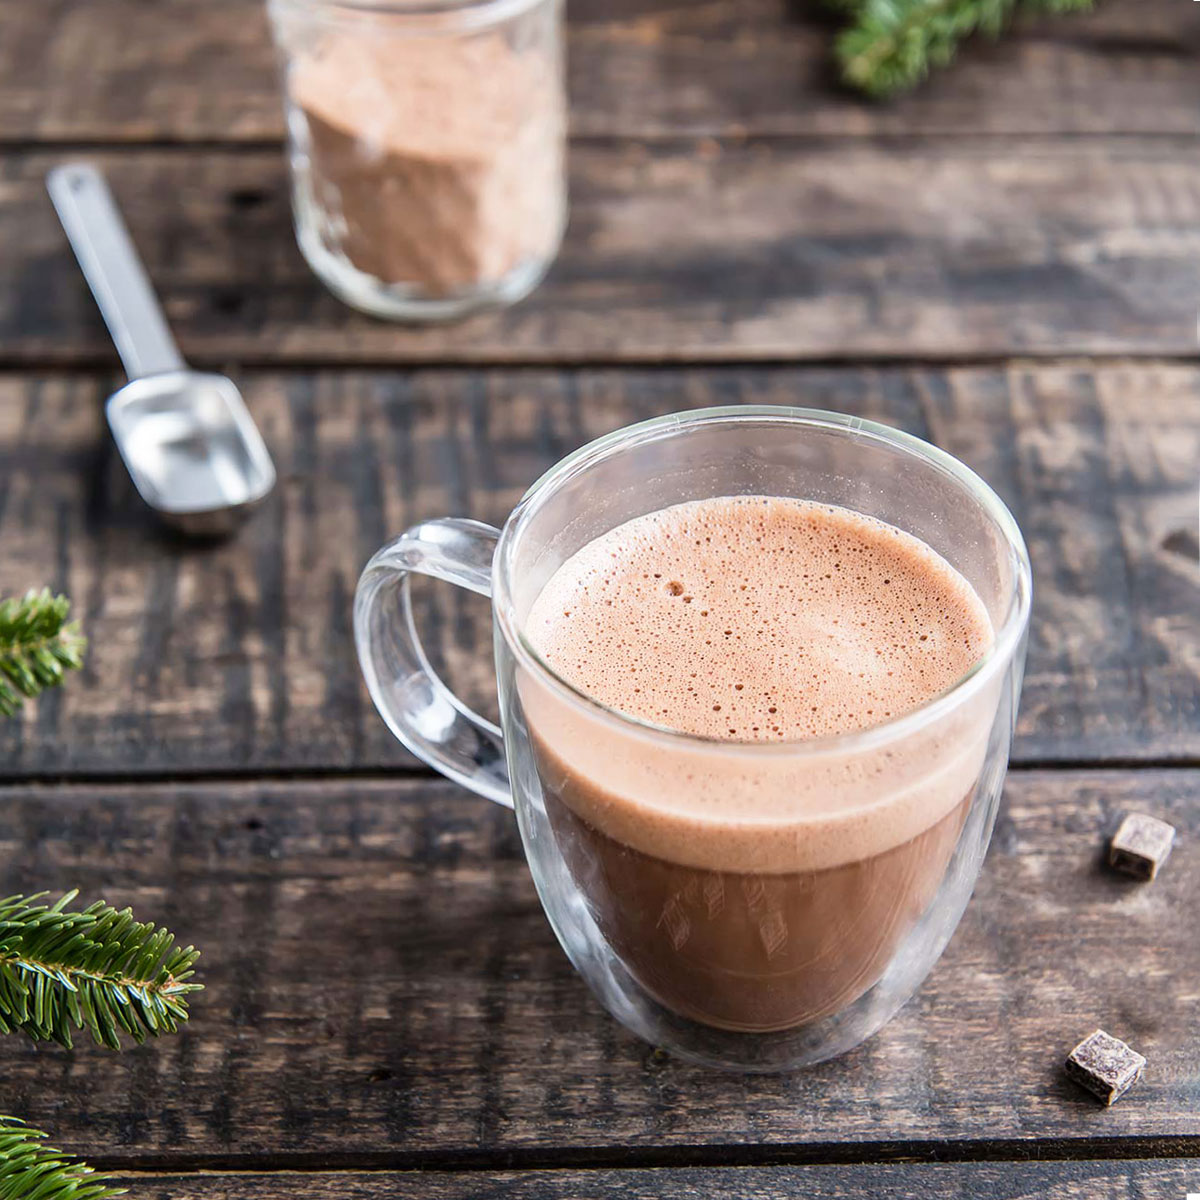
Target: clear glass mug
<point>809,953</point>
<point>426,140</point>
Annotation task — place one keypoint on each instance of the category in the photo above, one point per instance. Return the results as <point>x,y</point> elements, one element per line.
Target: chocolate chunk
<point>1141,845</point>
<point>1105,1066</point>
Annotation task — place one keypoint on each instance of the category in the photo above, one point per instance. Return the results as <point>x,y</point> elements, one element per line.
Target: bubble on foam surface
<point>759,619</point>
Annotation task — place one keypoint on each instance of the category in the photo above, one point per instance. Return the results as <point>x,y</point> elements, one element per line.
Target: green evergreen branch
<point>37,647</point>
<point>96,969</point>
<point>31,1170</point>
<point>893,44</point>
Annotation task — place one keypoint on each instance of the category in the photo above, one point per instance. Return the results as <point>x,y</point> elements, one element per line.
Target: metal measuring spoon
<point>187,438</point>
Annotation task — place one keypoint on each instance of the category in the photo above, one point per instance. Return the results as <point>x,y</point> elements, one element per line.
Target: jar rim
<point>421,14</point>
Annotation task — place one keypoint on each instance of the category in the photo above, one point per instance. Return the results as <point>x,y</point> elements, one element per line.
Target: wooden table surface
<point>1007,263</point>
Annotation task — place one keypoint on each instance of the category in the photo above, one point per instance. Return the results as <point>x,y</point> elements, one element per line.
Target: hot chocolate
<point>747,885</point>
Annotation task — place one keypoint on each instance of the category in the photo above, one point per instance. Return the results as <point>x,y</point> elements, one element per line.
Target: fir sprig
<point>37,646</point>
<point>31,1170</point>
<point>892,45</point>
<point>96,969</point>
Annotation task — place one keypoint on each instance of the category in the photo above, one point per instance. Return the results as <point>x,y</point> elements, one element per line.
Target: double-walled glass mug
<point>804,952</point>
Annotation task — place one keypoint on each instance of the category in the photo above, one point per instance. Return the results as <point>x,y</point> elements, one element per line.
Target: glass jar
<point>426,141</point>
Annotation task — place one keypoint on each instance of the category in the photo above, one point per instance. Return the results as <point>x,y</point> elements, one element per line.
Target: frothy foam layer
<point>752,620</point>
<point>759,619</point>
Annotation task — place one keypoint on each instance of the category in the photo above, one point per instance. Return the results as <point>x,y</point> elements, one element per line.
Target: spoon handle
<point>113,270</point>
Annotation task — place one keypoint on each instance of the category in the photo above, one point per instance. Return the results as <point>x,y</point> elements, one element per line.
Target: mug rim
<point>994,660</point>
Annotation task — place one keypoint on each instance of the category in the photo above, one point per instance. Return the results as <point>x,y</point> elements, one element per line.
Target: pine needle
<point>31,1170</point>
<point>96,969</point>
<point>37,646</point>
<point>892,45</point>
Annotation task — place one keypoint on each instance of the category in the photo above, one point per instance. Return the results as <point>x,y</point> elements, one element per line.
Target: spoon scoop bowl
<point>191,448</point>
<point>186,437</point>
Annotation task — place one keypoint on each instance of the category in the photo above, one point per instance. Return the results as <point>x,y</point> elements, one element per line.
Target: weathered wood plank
<point>641,68</point>
<point>383,989</point>
<point>898,1181</point>
<point>790,251</point>
<point>239,656</point>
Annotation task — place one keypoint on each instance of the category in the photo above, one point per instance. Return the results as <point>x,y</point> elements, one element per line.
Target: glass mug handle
<point>414,702</point>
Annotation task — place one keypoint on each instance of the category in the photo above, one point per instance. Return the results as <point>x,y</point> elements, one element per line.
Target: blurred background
<point>729,199</point>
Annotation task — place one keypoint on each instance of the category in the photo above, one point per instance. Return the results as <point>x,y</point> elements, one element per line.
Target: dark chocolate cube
<point>1141,845</point>
<point>1105,1066</point>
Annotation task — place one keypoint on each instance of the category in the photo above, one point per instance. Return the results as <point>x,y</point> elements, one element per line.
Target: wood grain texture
<point>900,1181</point>
<point>383,990</point>
<point>637,68</point>
<point>240,656</point>
<point>688,251</point>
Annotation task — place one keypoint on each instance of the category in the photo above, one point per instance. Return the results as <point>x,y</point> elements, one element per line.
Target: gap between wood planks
<point>104,365</point>
<point>702,1155</point>
<point>657,138</point>
<point>375,774</point>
